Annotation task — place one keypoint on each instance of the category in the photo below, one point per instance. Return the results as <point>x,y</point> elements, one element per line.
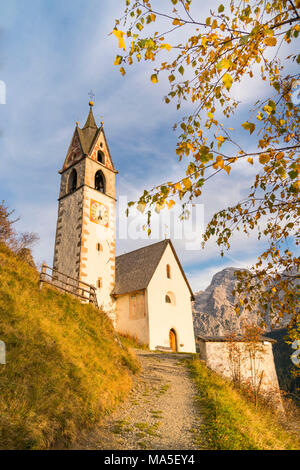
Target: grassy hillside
<point>232,422</point>
<point>64,369</point>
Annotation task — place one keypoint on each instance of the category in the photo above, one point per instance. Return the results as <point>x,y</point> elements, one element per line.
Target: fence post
<point>91,295</point>
<point>42,275</point>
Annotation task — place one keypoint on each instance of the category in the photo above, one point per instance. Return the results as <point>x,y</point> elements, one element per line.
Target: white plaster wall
<point>164,316</point>
<point>138,328</point>
<point>217,358</point>
<point>101,264</point>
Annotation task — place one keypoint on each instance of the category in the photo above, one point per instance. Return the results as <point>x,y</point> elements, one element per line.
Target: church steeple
<point>85,236</point>
<point>90,122</point>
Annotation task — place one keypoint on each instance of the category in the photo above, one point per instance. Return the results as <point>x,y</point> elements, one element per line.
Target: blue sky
<point>51,54</point>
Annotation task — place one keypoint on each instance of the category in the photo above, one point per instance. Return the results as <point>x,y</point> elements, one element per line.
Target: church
<point>145,292</point>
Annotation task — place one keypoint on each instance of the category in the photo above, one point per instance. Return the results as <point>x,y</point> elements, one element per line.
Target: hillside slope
<point>64,370</point>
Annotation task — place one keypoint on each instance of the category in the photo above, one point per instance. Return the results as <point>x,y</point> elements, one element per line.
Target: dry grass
<point>64,369</point>
<point>232,422</point>
<point>132,341</point>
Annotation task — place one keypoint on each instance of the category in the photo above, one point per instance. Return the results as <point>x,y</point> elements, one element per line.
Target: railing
<point>63,282</point>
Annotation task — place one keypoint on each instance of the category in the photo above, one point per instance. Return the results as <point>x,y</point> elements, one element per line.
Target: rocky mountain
<point>213,309</point>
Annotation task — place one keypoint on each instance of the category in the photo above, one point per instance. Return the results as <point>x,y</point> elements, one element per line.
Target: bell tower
<point>85,232</point>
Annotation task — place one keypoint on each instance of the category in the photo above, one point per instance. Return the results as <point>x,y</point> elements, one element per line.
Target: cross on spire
<point>91,95</point>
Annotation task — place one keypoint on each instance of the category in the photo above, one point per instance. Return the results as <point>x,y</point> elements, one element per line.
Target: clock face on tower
<point>99,213</point>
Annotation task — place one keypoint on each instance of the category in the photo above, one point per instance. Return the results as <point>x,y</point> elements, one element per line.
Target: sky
<point>52,53</point>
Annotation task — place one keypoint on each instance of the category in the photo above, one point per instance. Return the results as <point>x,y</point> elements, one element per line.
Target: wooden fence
<point>65,283</point>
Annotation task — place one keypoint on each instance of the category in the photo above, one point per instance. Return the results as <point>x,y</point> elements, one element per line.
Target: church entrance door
<point>173,341</point>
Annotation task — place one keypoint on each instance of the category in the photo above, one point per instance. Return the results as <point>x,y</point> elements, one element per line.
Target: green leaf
<point>244,39</point>
<point>181,70</point>
<point>293,174</point>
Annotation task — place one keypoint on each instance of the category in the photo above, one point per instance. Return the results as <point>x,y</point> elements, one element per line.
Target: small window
<point>168,271</point>
<point>100,157</point>
<point>99,247</point>
<point>99,283</point>
<point>72,183</point>
<point>99,181</point>
<point>170,298</point>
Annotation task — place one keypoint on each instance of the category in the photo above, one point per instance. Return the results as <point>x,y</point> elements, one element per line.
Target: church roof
<point>88,132</point>
<point>134,270</point>
<point>88,136</point>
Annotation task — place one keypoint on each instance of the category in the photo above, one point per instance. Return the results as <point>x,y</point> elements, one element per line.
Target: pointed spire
<point>90,122</point>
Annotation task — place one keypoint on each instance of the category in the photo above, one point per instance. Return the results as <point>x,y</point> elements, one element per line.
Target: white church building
<point>144,292</point>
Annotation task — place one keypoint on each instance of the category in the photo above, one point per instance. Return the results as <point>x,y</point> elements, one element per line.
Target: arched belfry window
<point>100,157</point>
<point>72,183</point>
<point>168,267</point>
<point>100,181</point>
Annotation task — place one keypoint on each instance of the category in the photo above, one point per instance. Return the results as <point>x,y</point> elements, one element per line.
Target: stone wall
<point>232,358</point>
<point>68,234</point>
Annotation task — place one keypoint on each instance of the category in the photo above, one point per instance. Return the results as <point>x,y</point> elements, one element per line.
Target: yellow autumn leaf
<point>154,78</point>
<point>177,22</point>
<point>223,64</point>
<point>204,41</point>
<point>227,80</point>
<point>122,71</point>
<point>190,147</point>
<point>220,140</point>
<point>219,162</point>
<point>248,126</point>
<point>227,169</point>
<point>264,158</point>
<point>119,34</point>
<point>268,109</point>
<point>168,47</point>
<point>250,160</point>
<point>270,41</point>
<point>177,186</point>
<point>171,204</point>
<point>118,60</point>
<point>187,183</point>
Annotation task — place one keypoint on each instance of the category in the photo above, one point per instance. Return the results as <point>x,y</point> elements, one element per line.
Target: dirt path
<point>160,412</point>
